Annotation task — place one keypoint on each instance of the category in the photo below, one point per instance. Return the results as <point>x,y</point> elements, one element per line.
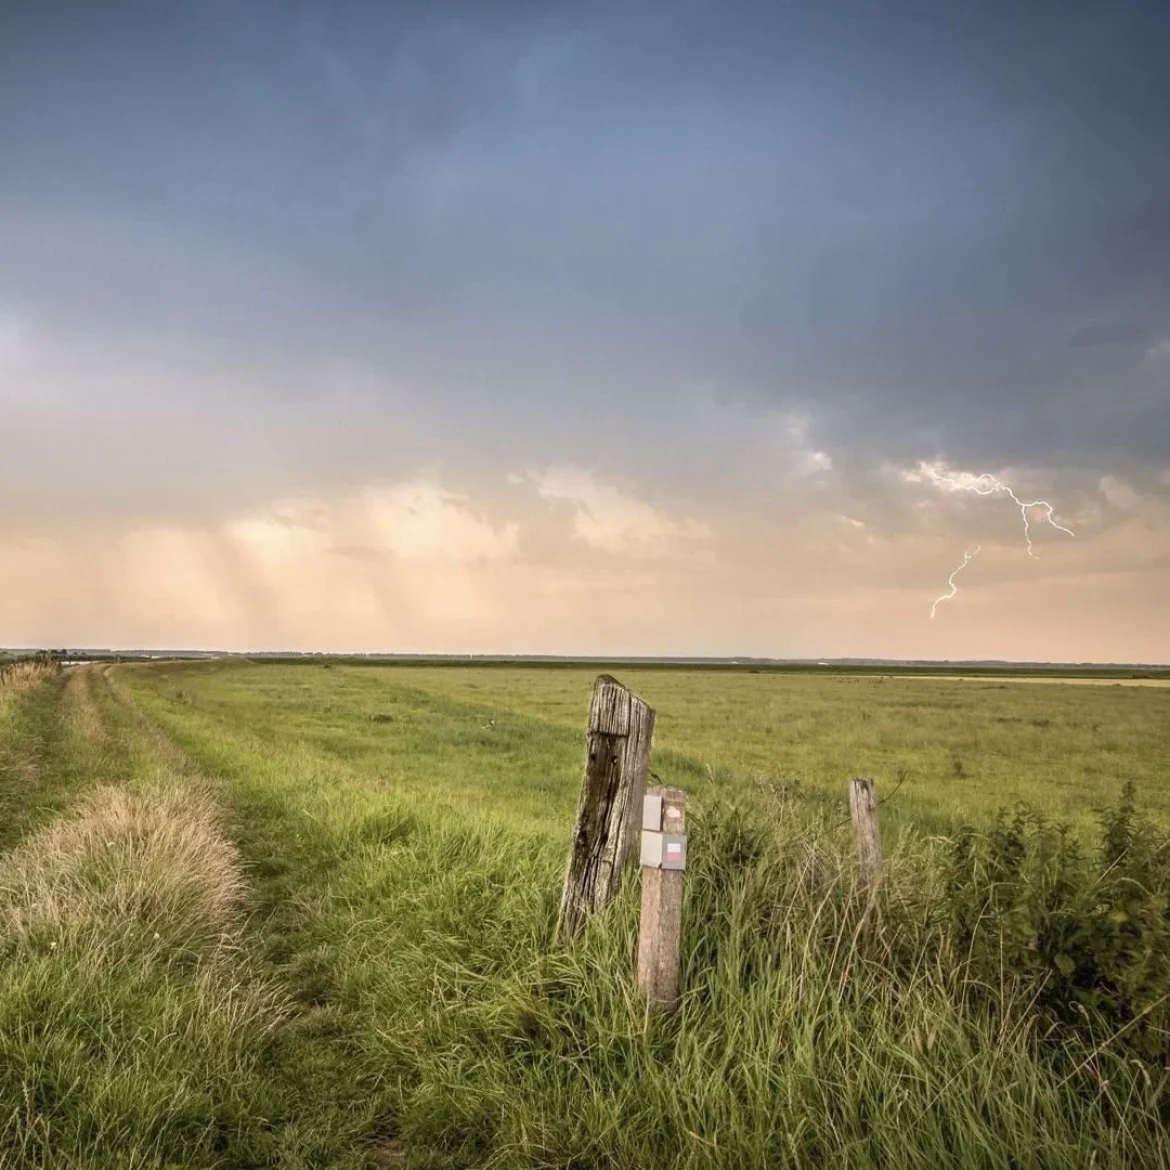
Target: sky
<point>586,328</point>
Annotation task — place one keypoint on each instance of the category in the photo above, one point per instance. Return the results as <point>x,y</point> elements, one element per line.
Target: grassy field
<point>302,916</point>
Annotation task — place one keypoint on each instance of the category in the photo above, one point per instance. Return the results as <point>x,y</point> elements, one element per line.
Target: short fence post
<point>664,860</point>
<point>616,766</point>
<point>863,807</point>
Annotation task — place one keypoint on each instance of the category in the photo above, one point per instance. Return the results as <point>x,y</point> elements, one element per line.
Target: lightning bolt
<point>985,484</point>
<point>968,557</point>
<point>988,485</point>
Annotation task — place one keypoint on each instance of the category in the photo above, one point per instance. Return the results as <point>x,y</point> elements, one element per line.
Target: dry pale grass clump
<point>153,862</point>
<point>19,676</point>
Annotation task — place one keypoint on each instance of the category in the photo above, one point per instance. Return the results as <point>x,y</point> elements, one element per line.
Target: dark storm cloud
<point>937,227</point>
<point>1089,336</point>
<point>1011,189</point>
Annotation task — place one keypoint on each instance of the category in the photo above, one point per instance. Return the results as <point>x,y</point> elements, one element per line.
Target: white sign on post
<point>660,850</point>
<point>652,812</point>
<point>651,849</point>
<point>675,852</point>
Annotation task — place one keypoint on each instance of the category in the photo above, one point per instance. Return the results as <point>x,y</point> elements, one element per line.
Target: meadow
<point>301,915</point>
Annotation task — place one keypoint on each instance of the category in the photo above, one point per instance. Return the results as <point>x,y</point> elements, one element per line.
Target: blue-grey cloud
<point>934,228</point>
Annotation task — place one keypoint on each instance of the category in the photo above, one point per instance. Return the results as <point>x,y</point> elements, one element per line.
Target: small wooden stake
<point>863,807</point>
<point>660,929</point>
<point>610,807</point>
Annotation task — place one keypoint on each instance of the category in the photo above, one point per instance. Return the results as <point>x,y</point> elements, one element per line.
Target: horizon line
<point>509,656</point>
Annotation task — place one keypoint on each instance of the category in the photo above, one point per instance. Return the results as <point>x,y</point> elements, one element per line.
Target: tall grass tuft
<point>18,675</point>
<point>130,1023</point>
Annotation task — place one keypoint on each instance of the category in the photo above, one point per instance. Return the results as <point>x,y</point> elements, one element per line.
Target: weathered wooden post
<point>616,765</point>
<point>664,862</point>
<point>863,807</point>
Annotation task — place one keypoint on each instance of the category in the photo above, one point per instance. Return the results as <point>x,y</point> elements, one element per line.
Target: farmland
<point>301,915</point>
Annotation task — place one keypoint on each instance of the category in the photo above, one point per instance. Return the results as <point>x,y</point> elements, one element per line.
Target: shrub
<point>1082,930</point>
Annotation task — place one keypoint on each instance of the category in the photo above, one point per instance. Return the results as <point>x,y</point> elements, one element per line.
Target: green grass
<point>956,749</point>
<point>304,917</point>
